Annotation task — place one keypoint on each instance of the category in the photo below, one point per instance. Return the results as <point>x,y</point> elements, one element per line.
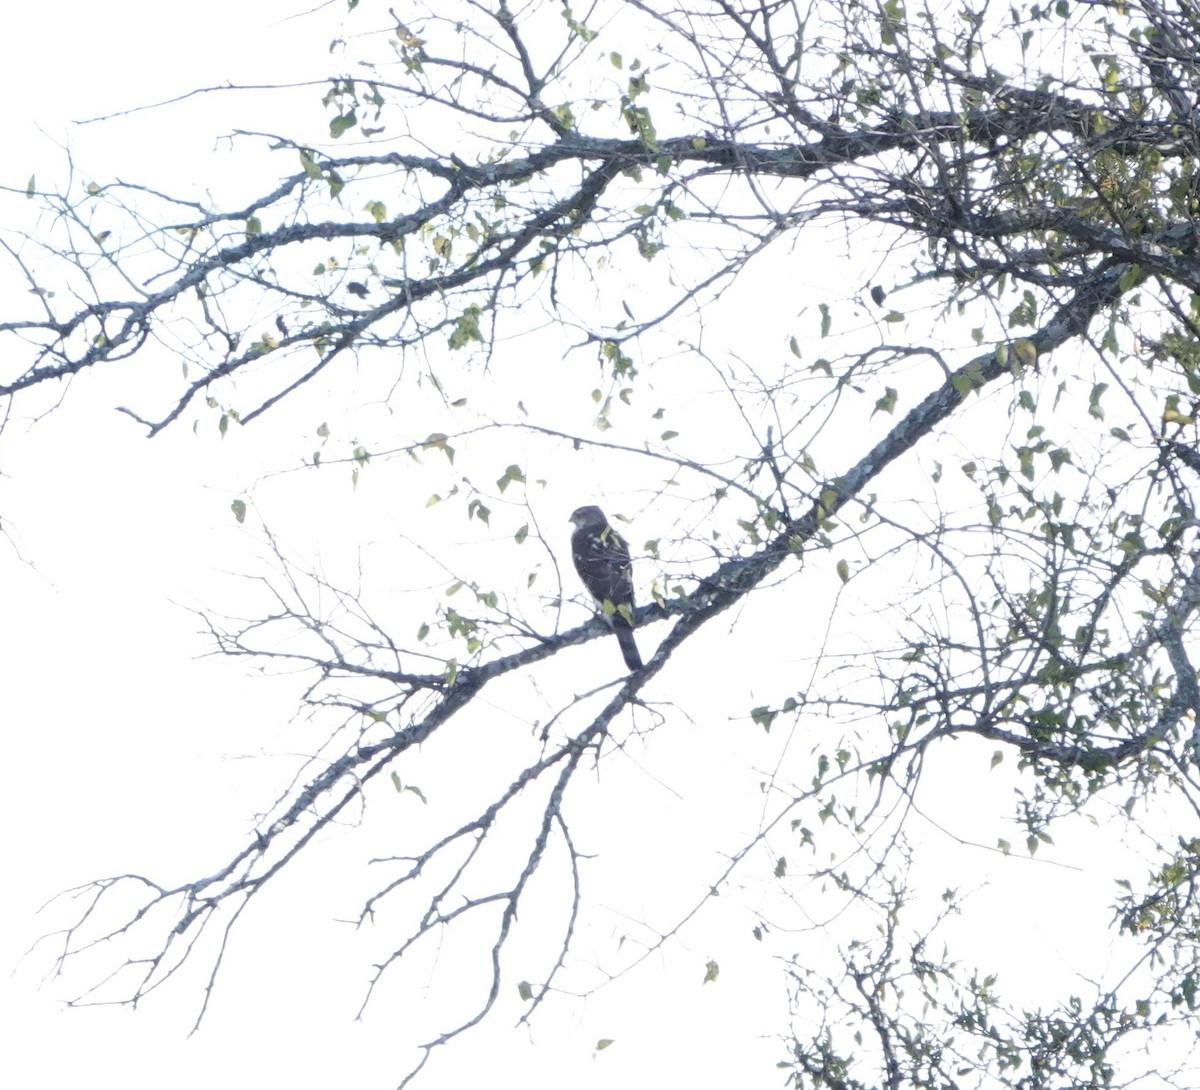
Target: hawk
<point>602,559</point>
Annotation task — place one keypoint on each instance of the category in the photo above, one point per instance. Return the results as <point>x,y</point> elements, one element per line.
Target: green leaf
<point>466,328</point>
<point>763,716</point>
<point>342,124</point>
<point>1025,312</point>
<point>511,474</point>
<point>603,1043</point>
<point>578,28</point>
<point>970,376</point>
<point>1059,457</point>
<point>887,403</point>
<point>253,227</point>
<point>525,991</point>
<point>437,441</point>
<point>308,165</point>
<point>826,319</point>
<point>781,866</point>
<point>31,188</point>
<point>238,507</point>
<point>711,971</point>
<point>891,20</point>
<point>1026,355</point>
<point>1130,277</point>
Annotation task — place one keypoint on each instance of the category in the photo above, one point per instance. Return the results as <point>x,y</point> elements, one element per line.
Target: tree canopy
<point>874,326</point>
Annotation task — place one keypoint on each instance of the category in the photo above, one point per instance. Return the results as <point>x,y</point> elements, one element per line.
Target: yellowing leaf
<point>1026,352</point>
<point>306,162</point>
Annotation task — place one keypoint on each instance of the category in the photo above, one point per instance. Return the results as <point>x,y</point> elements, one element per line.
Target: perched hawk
<point>602,559</point>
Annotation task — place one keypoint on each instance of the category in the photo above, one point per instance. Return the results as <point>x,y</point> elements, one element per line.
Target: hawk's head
<point>589,516</point>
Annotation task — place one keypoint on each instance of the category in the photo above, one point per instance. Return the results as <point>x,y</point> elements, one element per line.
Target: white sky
<point>125,745</point>
<point>128,751</point>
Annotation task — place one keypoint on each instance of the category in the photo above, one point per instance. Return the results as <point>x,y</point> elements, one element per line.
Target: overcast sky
<point>129,750</point>
<point>125,746</point>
